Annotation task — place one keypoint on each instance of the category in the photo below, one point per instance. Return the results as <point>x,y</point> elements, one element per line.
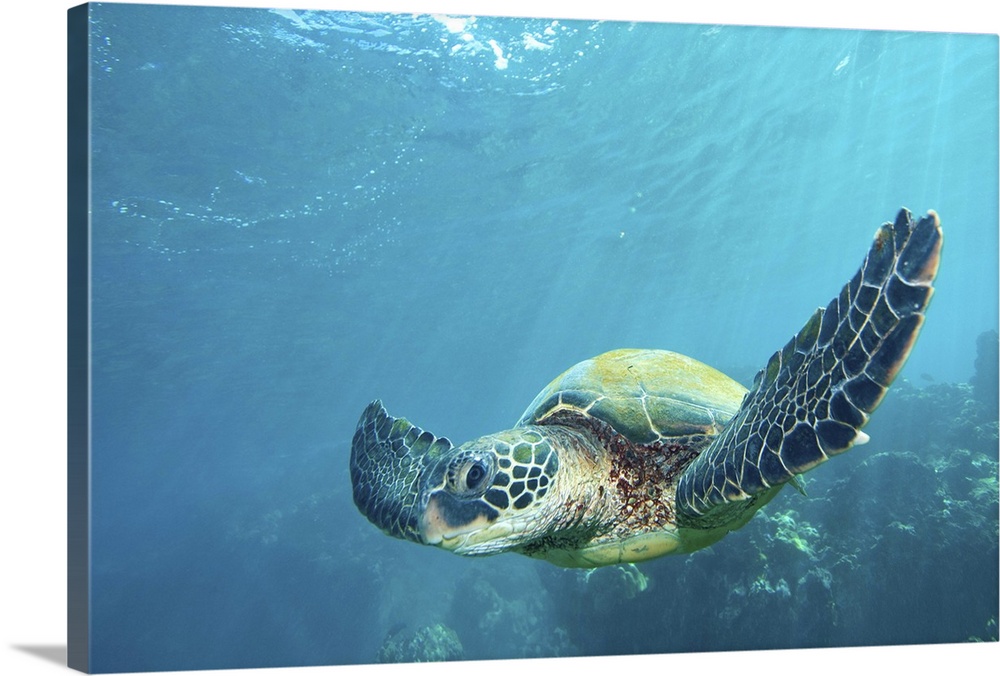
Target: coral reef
<point>791,531</point>
<point>513,624</point>
<point>431,643</point>
<point>617,582</point>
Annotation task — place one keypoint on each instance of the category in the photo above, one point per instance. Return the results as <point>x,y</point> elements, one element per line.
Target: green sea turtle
<point>639,453</point>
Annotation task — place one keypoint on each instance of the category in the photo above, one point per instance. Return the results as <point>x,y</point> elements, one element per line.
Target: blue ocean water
<point>295,213</point>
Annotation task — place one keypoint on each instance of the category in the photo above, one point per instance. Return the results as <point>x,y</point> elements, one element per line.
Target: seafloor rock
<point>925,543</point>
<point>431,643</point>
<point>505,613</point>
<point>616,583</point>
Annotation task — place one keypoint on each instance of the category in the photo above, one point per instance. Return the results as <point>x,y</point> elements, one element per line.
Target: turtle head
<point>488,496</point>
<point>483,497</point>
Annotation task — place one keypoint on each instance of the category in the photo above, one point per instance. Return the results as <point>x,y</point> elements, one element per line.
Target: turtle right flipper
<point>814,396</point>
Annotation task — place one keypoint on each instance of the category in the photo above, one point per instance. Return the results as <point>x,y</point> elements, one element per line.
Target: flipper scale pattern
<point>814,396</point>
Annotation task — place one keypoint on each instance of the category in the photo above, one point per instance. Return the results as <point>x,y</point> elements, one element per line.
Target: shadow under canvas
<point>49,653</point>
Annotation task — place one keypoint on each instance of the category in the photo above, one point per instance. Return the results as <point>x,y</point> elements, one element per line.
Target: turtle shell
<point>645,395</point>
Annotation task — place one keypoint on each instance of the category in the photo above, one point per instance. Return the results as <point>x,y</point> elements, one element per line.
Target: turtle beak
<point>447,522</point>
<point>435,529</point>
<point>389,459</point>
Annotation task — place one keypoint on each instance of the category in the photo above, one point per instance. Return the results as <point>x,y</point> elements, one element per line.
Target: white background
<point>33,328</point>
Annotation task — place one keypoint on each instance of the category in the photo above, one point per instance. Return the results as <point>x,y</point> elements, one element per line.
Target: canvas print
<point>406,338</point>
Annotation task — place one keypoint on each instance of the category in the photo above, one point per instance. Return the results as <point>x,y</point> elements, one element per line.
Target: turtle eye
<point>468,475</point>
<point>475,476</point>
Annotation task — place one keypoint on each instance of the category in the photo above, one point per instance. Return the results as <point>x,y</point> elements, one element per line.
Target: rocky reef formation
<point>431,643</point>
<point>504,612</point>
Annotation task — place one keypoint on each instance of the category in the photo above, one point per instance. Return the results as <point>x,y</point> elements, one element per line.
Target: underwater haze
<point>297,212</point>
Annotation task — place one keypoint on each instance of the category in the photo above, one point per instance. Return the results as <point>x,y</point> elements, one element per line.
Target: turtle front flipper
<point>814,396</point>
<point>388,456</point>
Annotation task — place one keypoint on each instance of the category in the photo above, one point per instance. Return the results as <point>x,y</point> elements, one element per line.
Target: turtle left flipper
<point>814,396</point>
<point>388,456</point>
